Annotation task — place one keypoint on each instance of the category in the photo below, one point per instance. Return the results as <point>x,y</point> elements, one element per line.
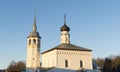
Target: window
<point>38,41</point>
<point>29,41</point>
<point>34,41</point>
<point>66,63</point>
<point>81,63</point>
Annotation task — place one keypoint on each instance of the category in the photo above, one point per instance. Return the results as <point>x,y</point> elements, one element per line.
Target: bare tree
<point>16,66</point>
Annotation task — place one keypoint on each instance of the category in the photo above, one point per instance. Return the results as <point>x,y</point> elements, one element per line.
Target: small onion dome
<point>65,28</point>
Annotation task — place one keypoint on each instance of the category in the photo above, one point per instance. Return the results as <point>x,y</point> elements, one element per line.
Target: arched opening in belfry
<point>34,41</point>
<point>38,41</point>
<point>29,41</point>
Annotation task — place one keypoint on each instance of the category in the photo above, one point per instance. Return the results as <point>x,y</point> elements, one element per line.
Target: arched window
<point>81,63</point>
<point>66,63</point>
<point>34,41</point>
<point>38,41</point>
<point>29,41</point>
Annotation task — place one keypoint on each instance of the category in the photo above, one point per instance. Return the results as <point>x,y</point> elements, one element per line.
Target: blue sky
<point>94,24</point>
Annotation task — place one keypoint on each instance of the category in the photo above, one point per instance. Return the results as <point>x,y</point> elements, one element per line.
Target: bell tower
<point>33,48</point>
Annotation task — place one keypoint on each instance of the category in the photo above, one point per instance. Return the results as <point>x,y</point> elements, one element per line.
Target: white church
<point>65,57</point>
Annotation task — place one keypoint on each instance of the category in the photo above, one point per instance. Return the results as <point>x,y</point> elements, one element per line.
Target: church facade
<point>65,56</point>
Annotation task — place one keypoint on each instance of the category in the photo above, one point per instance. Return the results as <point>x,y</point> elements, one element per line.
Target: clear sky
<point>94,24</point>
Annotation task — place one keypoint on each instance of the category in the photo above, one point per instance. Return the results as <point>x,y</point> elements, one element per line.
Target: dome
<point>34,34</point>
<point>65,28</point>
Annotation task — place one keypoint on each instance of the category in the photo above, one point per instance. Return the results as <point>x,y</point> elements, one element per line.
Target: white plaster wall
<point>65,37</point>
<point>49,59</point>
<point>32,52</point>
<point>74,58</point>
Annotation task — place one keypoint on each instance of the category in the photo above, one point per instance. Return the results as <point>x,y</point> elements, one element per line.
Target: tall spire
<point>64,19</point>
<point>35,18</point>
<point>34,32</point>
<point>34,24</point>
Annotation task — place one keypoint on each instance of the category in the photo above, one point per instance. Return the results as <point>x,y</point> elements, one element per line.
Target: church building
<point>65,57</point>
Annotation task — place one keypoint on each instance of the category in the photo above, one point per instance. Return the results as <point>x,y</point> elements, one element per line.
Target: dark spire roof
<point>34,28</point>
<point>65,27</point>
<point>34,32</point>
